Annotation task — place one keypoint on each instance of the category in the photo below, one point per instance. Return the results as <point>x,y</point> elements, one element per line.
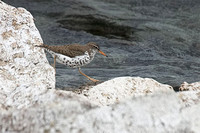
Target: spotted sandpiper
<point>74,55</point>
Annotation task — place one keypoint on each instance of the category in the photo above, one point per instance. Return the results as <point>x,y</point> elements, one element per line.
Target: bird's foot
<point>93,80</point>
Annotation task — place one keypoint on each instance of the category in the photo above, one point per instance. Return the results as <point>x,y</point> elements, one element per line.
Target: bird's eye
<point>96,47</point>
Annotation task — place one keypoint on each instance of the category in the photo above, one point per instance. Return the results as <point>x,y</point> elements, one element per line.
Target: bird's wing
<point>76,50</point>
<point>68,50</point>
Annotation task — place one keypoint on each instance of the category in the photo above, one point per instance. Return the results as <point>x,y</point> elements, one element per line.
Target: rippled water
<point>147,38</point>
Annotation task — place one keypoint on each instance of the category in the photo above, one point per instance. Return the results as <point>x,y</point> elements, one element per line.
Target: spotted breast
<point>76,61</point>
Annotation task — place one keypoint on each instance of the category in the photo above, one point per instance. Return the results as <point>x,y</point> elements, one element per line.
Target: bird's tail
<point>42,45</point>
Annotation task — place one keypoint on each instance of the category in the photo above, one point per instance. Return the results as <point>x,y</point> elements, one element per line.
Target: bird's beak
<point>102,53</point>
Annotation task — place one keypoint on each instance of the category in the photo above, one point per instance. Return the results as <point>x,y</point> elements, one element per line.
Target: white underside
<point>75,62</point>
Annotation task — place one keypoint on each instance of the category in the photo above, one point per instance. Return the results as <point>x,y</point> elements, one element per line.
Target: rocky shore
<point>30,103</point>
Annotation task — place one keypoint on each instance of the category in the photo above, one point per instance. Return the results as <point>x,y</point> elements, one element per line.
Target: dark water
<point>158,39</point>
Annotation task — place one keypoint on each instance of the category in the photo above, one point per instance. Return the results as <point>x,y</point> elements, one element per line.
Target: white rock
<point>191,118</point>
<point>190,87</point>
<point>24,69</point>
<point>189,93</point>
<point>189,97</point>
<point>123,88</point>
<point>160,113</point>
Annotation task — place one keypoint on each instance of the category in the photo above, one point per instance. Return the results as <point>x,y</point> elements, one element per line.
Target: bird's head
<point>96,47</point>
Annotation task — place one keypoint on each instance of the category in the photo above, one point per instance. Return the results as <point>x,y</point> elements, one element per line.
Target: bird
<point>74,55</point>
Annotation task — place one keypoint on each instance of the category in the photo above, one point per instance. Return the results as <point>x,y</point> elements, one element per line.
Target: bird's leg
<point>94,80</point>
<point>54,63</point>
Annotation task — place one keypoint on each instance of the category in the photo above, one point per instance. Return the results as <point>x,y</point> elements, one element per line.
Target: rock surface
<point>23,67</point>
<point>190,87</point>
<point>190,93</point>
<point>67,113</point>
<point>123,88</point>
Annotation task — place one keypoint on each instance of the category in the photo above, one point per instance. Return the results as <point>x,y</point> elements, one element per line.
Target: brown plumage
<point>71,50</point>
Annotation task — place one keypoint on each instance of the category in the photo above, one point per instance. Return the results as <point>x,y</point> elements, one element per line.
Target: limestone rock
<point>191,116</point>
<point>189,93</point>
<point>23,67</point>
<point>161,113</point>
<point>189,97</point>
<point>122,88</point>
<point>54,111</point>
<point>190,87</point>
